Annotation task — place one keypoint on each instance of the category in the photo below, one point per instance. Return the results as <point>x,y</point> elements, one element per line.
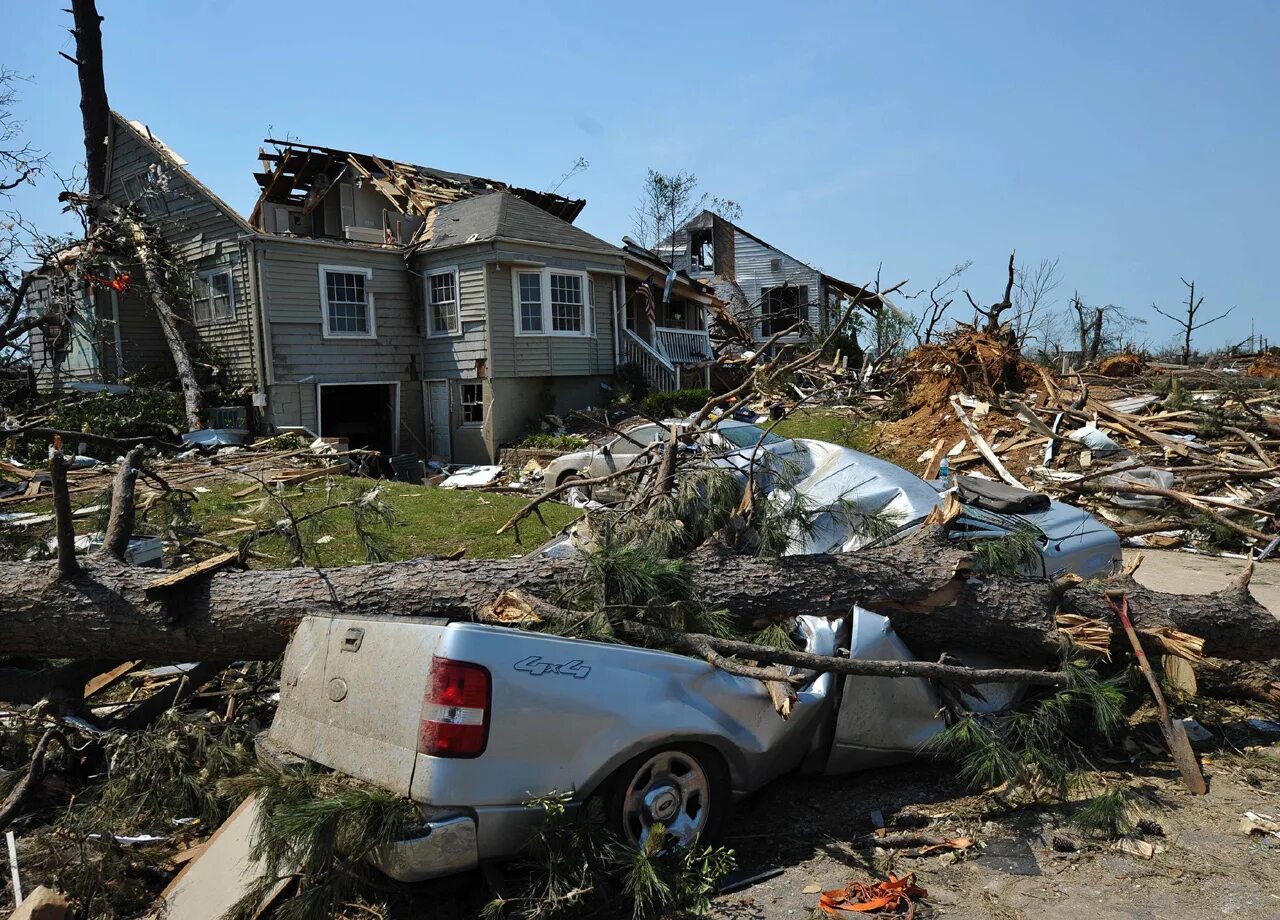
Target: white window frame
<point>518,294</point>
<point>147,198</point>
<point>432,331</point>
<point>204,292</point>
<point>588,330</point>
<point>462,404</point>
<point>323,272</point>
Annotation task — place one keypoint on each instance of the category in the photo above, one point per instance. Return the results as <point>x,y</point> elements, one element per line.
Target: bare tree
<point>1188,320</point>
<point>941,296</point>
<point>993,312</point>
<point>1033,287</point>
<point>669,201</point>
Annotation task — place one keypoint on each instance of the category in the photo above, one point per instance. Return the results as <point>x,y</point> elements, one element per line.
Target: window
<point>748,436</point>
<point>442,303</point>
<point>550,302</point>
<point>472,403</point>
<point>782,308</point>
<point>530,301</point>
<point>143,194</point>
<point>566,303</point>
<point>215,297</point>
<point>347,303</point>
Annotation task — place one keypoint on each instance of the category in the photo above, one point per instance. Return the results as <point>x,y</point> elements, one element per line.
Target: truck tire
<point>684,787</point>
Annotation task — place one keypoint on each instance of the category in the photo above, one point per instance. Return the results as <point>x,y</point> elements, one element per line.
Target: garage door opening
<point>363,413</point>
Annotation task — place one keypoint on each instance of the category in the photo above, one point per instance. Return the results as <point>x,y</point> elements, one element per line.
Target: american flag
<point>646,293</point>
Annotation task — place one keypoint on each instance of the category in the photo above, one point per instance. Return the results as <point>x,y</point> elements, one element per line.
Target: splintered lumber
<point>110,678</point>
<point>294,478</point>
<point>983,447</point>
<point>928,588</point>
<point>195,570</point>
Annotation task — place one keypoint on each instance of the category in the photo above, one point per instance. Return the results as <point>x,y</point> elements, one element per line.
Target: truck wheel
<point>685,788</point>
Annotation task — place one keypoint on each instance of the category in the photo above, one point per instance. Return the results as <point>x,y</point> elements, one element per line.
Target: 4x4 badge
<point>537,667</point>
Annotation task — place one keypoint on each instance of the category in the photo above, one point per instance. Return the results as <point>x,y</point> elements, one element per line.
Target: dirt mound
<point>1125,364</point>
<point>967,361</point>
<point>1266,366</point>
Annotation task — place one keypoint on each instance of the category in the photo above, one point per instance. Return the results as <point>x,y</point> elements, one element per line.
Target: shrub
<point>544,441</point>
<point>675,403</point>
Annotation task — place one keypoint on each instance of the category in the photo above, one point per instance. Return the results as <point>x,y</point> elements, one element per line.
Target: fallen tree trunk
<point>927,588</point>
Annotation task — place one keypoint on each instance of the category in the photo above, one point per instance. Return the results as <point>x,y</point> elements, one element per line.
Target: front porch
<point>667,339</point>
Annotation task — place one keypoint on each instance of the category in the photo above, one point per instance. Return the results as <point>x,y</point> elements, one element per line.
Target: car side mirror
<point>604,450</point>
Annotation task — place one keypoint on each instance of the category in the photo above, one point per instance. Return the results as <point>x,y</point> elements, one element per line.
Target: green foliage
<point>141,412</point>
<point>576,867</point>
<point>1112,813</point>
<point>1015,553</point>
<point>321,829</point>
<point>545,441</point>
<point>674,404</point>
<point>1037,748</point>
<point>704,500</point>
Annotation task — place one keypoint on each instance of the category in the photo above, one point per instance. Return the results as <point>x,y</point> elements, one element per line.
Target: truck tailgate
<point>351,695</point>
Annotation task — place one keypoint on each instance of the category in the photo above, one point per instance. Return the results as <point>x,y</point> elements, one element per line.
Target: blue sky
<point>1135,142</point>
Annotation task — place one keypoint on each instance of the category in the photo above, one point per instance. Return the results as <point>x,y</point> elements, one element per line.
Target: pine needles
<point>575,865</point>
<point>1038,749</point>
<point>320,828</point>
<point>1016,553</point>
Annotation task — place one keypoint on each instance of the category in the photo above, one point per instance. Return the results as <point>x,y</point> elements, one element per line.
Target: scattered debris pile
<point>967,360</point>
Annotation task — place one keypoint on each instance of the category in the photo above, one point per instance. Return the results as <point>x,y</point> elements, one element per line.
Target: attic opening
<point>782,307</point>
<point>701,251</point>
<point>365,414</point>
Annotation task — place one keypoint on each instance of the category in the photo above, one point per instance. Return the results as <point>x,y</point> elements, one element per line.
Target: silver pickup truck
<point>472,721</point>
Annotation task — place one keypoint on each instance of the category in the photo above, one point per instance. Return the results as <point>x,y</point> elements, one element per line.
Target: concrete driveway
<point>1176,572</point>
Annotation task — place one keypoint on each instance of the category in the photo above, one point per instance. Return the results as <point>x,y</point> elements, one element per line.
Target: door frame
<point>395,405</point>
<point>426,411</point>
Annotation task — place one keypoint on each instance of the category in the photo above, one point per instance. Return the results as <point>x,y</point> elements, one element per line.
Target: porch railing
<point>660,372</point>
<point>684,346</point>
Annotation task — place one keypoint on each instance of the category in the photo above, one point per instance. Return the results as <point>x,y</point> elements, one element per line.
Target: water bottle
<point>944,474</point>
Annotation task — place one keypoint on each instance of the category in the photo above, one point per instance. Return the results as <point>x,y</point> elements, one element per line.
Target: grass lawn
<point>828,425</point>
<point>424,521</point>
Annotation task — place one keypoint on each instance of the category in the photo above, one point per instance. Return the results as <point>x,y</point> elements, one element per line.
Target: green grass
<point>426,520</point>
<point>827,425</point>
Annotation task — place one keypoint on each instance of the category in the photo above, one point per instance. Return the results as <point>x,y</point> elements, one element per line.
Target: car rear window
<point>748,436</point>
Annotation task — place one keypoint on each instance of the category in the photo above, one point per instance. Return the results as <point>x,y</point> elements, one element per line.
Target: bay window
<point>553,302</point>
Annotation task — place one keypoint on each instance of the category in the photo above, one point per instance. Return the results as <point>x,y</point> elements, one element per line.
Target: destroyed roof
<point>499,214</point>
<point>300,174</point>
<point>646,260</point>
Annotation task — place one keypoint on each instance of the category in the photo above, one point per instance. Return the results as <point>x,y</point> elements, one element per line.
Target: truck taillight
<point>455,713</point>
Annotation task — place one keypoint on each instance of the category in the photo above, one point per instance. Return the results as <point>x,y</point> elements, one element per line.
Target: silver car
<point>731,442</point>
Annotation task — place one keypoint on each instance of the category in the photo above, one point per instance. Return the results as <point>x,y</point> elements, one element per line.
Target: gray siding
<point>456,355</point>
<point>204,233</point>
<point>301,355</point>
<point>542,356</point>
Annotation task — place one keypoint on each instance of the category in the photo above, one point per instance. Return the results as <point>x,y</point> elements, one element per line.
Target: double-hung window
<point>347,302</point>
<point>530,294</point>
<point>443,316</point>
<point>553,302</point>
<point>471,399</point>
<point>215,297</point>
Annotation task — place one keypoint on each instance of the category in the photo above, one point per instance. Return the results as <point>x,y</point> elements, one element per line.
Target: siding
<point>753,271</point>
<point>199,228</point>
<point>541,356</point>
<point>456,355</point>
<point>302,357</point>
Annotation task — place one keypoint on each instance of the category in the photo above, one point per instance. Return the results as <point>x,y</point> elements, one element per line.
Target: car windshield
<point>748,436</point>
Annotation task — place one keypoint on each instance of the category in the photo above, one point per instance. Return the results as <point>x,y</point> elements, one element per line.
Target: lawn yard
<point>827,425</point>
<point>423,521</point>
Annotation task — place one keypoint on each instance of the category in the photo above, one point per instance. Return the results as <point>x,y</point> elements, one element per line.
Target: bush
<point>544,441</point>
<point>674,404</point>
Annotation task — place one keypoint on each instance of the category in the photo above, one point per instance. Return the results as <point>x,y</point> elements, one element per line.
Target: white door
<point>437,401</point>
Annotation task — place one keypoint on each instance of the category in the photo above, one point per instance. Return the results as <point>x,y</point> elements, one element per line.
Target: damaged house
<point>766,290</point>
<point>406,309</point>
